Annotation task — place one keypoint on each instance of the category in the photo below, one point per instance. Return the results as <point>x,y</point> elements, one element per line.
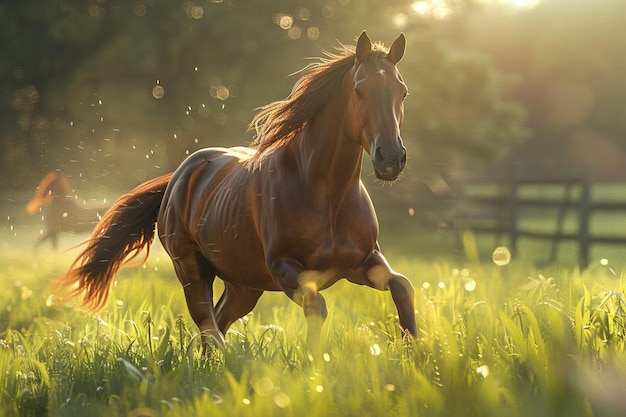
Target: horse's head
<point>377,104</point>
<point>53,185</point>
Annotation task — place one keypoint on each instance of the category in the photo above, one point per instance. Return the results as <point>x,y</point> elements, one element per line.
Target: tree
<point>571,56</point>
<point>115,91</point>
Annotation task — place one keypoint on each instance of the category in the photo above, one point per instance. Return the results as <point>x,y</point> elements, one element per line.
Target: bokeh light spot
<point>193,10</point>
<point>501,256</point>
<point>313,33</point>
<point>222,93</point>
<point>158,91</point>
<point>483,371</point>
<point>294,32</point>
<point>304,13</point>
<point>470,285</point>
<point>285,21</point>
<point>282,400</point>
<point>140,10</point>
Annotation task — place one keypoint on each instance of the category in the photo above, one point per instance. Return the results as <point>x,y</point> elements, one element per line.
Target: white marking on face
<point>382,72</point>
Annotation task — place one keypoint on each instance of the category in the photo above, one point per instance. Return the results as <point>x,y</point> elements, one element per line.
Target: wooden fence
<point>500,213</point>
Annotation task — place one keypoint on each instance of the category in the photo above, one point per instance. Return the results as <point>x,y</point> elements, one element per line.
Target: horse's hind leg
<point>52,236</point>
<point>54,240</point>
<point>197,275</point>
<point>235,302</point>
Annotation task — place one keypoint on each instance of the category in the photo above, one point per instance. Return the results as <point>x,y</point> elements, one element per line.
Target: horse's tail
<point>123,232</point>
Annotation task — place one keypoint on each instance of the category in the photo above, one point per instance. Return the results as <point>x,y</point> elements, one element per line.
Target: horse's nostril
<point>379,155</point>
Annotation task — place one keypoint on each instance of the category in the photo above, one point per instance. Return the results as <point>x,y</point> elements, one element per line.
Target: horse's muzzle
<point>389,161</point>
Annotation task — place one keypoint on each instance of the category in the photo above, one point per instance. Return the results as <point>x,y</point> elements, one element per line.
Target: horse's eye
<point>358,92</point>
<point>405,94</point>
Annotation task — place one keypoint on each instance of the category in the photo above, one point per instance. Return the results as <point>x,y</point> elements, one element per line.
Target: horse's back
<point>207,209</point>
<point>198,177</point>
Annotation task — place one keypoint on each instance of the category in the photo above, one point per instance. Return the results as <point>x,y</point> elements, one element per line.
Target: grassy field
<point>506,340</point>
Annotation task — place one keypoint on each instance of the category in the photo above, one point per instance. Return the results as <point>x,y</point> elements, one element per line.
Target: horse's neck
<point>56,189</point>
<point>326,155</point>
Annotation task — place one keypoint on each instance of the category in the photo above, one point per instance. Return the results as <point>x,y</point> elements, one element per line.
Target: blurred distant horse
<point>291,215</point>
<point>64,213</point>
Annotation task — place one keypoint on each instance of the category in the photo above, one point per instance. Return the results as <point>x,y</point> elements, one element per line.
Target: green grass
<point>494,341</point>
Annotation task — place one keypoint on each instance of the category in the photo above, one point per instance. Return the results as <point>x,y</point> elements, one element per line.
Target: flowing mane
<point>277,123</point>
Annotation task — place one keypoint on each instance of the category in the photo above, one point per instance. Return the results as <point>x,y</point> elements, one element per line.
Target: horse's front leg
<point>302,287</point>
<point>376,273</point>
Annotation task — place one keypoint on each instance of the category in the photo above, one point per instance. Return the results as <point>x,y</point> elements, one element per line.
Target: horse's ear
<point>363,47</point>
<point>396,52</point>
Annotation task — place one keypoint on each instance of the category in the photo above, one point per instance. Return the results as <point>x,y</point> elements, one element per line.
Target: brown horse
<point>64,213</point>
<point>291,215</point>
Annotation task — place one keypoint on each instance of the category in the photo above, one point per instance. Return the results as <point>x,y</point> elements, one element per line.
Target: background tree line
<point>115,91</point>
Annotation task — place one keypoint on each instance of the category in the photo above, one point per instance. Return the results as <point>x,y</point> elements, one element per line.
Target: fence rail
<point>504,210</point>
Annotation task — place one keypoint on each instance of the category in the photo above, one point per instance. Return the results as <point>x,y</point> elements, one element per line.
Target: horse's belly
<point>236,253</point>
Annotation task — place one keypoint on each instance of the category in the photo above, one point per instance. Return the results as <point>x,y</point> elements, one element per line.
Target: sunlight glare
<point>375,350</point>
<point>519,4</point>
<point>470,285</point>
<point>438,9</point>
<point>400,20</point>
<point>524,3</point>
<point>420,7</point>
<point>441,9</point>
<point>483,371</point>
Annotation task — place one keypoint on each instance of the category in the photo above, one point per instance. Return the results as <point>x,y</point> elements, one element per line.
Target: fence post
<point>583,226</point>
<point>513,217</point>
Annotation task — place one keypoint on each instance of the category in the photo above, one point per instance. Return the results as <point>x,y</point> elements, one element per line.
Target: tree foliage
<point>116,91</point>
<point>571,57</point>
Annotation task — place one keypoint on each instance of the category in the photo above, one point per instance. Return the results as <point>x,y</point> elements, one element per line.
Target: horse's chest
<point>322,239</point>
<point>337,252</point>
